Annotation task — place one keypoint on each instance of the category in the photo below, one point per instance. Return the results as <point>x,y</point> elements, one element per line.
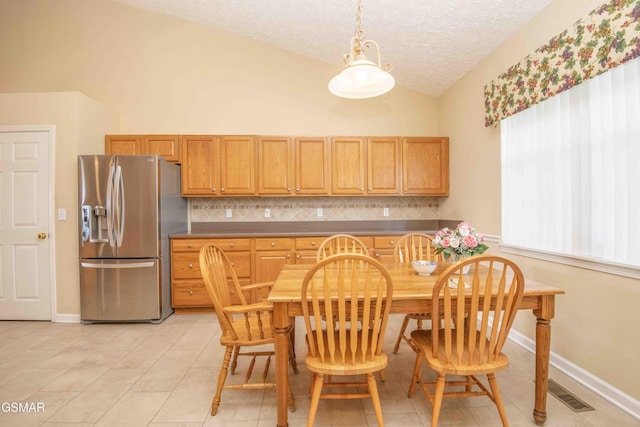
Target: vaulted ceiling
<point>431,44</point>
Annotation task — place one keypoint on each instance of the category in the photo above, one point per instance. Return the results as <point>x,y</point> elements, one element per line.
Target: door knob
<point>42,236</point>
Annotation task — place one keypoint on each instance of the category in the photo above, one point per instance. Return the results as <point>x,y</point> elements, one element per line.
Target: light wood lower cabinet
<point>255,260</point>
<point>382,248</point>
<point>269,257</point>
<point>188,289</point>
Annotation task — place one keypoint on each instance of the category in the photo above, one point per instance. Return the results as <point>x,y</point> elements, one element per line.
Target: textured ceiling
<point>431,44</point>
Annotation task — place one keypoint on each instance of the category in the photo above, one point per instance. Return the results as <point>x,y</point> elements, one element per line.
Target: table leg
<point>543,349</point>
<point>281,325</point>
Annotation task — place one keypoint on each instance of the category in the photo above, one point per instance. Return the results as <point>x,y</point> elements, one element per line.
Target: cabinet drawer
<point>183,245</point>
<point>241,263</point>
<point>194,294</point>
<point>190,294</point>
<point>380,242</point>
<point>186,265</point>
<point>278,243</point>
<point>228,245</point>
<point>309,242</point>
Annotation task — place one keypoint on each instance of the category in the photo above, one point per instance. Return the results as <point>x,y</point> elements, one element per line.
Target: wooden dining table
<point>411,294</point>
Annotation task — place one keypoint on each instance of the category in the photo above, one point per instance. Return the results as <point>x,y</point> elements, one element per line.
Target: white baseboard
<point>67,318</point>
<point>605,390</point>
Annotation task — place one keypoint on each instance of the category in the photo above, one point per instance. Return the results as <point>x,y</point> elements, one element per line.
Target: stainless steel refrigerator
<point>129,205</point>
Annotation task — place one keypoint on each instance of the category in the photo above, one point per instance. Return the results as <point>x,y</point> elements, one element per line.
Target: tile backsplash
<point>307,208</point>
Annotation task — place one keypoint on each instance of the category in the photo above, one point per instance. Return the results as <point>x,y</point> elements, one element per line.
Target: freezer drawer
<point>120,290</point>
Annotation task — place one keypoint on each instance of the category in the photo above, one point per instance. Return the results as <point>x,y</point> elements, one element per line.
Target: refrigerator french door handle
<point>117,266</point>
<point>110,205</point>
<point>119,211</point>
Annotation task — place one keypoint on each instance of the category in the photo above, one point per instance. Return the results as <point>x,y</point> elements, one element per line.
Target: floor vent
<point>566,397</point>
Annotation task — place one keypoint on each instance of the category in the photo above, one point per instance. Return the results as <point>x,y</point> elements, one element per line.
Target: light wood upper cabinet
<point>123,144</point>
<point>238,165</point>
<point>348,165</point>
<point>275,169</point>
<point>383,165</point>
<point>425,166</point>
<point>200,165</point>
<point>167,146</point>
<point>312,166</point>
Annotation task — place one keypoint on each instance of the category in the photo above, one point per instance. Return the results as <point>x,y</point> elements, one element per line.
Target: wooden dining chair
<point>413,247</point>
<point>477,312</point>
<point>345,287</point>
<point>241,324</point>
<point>341,243</point>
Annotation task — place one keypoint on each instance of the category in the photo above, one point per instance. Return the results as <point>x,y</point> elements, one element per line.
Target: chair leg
<point>497,399</point>
<point>403,328</point>
<point>437,401</point>
<point>318,380</point>
<point>234,361</point>
<point>221,379</point>
<point>375,397</point>
<point>417,371</point>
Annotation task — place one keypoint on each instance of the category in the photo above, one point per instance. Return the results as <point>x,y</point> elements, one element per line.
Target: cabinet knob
<point>190,265</point>
<point>288,256</point>
<point>392,243</point>
<point>288,188</point>
<point>190,292</point>
<point>298,189</point>
<point>222,189</point>
<point>213,189</point>
<point>297,256</point>
<point>370,189</point>
<point>190,245</point>
<point>313,243</point>
<point>233,264</point>
<point>361,189</point>
<point>273,244</point>
<point>232,291</point>
<point>377,254</point>
<point>231,244</point>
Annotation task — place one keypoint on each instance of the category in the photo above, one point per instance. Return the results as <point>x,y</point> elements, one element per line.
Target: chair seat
<point>422,339</point>
<point>259,332</point>
<point>373,363</point>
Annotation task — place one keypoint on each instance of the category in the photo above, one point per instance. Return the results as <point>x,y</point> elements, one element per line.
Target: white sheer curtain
<point>571,171</point>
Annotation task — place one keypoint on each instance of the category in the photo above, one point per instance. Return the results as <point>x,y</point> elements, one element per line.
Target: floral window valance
<point>607,37</point>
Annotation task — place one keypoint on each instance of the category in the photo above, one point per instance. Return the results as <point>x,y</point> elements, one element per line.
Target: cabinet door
<point>200,165</point>
<point>348,165</point>
<point>275,165</point>
<point>167,146</point>
<point>425,166</point>
<point>269,263</point>
<point>383,165</point>
<point>238,165</point>
<point>312,165</point>
<point>123,144</point>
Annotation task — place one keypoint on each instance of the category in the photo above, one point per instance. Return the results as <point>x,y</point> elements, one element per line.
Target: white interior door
<point>25,212</point>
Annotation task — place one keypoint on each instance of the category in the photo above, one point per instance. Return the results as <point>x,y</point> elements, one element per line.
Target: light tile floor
<point>164,375</point>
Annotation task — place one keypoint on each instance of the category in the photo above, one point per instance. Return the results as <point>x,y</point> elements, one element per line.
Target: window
<point>571,171</point>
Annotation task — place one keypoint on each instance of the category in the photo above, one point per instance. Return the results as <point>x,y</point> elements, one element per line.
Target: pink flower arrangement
<point>461,242</point>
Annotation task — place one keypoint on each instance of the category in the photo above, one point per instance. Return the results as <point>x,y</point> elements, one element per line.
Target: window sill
<point>575,261</point>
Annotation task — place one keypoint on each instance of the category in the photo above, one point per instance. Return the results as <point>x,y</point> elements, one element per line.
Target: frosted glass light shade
<point>361,79</point>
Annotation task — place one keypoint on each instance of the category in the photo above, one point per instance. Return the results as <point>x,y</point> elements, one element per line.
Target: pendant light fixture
<point>361,78</point>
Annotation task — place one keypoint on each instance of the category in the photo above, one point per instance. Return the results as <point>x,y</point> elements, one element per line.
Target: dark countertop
<point>311,228</point>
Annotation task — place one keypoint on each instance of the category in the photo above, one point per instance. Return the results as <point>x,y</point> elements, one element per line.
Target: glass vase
<point>457,257</point>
